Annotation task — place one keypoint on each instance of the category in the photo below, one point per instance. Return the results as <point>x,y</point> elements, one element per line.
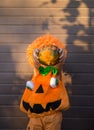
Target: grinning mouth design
<point>38,109</point>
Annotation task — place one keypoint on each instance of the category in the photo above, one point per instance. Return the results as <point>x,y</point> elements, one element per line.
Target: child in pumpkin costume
<point>45,95</point>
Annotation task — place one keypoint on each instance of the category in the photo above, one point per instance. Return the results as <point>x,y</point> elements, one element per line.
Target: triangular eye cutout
<point>40,89</point>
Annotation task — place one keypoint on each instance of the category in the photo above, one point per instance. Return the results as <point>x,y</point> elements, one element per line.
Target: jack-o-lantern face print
<point>42,98</point>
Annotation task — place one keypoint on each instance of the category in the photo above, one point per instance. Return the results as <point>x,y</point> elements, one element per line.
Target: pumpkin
<point>48,55</point>
<point>41,98</point>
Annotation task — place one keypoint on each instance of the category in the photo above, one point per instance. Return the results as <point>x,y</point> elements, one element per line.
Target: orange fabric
<point>49,95</point>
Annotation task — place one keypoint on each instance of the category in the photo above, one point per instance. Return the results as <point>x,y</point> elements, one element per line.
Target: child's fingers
<point>62,55</point>
<point>35,55</point>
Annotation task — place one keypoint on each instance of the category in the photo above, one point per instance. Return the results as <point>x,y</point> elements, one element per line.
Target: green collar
<point>45,70</point>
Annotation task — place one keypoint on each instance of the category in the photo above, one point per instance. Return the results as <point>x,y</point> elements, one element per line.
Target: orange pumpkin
<point>44,99</point>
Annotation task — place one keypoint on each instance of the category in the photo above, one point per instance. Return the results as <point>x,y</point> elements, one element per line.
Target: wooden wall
<point>72,21</point>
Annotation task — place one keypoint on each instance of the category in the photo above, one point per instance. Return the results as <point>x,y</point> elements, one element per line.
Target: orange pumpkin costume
<point>45,95</point>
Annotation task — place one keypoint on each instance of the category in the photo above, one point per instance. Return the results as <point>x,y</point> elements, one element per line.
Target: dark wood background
<point>72,21</point>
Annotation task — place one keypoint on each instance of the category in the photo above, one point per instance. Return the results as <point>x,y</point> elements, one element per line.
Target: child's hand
<point>62,56</point>
<point>36,58</point>
<point>60,62</point>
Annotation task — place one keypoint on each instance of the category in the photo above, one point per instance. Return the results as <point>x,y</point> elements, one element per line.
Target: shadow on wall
<point>11,89</point>
<point>82,33</point>
<point>77,24</point>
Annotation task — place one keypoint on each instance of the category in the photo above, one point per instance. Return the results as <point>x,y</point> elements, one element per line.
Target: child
<point>45,95</point>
